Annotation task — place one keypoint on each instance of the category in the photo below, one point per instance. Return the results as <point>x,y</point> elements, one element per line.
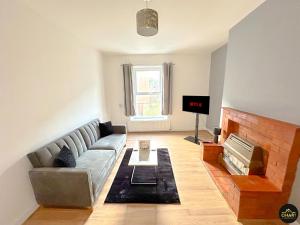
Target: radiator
<point>148,125</point>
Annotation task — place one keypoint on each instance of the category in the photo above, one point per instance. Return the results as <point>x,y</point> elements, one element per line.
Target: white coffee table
<point>136,162</point>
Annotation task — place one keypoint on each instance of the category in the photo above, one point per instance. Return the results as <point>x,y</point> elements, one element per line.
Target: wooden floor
<point>201,202</point>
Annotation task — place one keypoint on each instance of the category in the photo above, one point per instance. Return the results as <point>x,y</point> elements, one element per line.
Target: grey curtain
<point>128,90</point>
<point>167,89</point>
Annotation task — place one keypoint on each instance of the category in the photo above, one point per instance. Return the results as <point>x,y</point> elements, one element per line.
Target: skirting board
<point>25,215</point>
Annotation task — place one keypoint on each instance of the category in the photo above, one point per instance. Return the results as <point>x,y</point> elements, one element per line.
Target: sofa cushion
<point>83,144</point>
<point>64,158</point>
<point>99,163</point>
<point>71,145</point>
<point>106,129</point>
<point>93,130</point>
<point>88,135</point>
<point>114,141</point>
<point>95,125</point>
<point>78,145</point>
<point>41,158</point>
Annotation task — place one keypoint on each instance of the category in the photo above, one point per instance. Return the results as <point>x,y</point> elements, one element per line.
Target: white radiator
<point>148,125</point>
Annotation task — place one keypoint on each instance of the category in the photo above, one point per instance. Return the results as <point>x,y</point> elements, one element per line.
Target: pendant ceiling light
<point>147,21</point>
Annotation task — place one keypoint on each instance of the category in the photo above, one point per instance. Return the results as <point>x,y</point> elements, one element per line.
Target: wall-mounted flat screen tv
<point>195,104</point>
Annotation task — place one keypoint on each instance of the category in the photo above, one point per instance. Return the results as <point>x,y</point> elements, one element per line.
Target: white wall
<point>49,84</point>
<point>191,77</point>
<point>216,84</point>
<point>263,65</point>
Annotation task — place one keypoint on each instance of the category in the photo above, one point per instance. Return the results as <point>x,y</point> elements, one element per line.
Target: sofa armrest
<point>119,129</point>
<point>63,187</point>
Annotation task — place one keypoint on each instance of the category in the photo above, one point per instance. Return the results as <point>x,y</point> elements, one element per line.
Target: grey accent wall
<point>263,66</point>
<point>216,84</point>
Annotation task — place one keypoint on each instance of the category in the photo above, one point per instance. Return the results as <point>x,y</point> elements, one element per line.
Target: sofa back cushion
<point>90,133</point>
<point>95,125</point>
<point>76,141</point>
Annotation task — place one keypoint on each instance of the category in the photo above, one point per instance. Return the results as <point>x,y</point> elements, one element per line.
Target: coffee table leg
<point>156,175</point>
<point>132,175</point>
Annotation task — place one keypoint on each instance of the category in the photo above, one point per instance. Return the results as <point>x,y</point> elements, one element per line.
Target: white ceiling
<point>184,25</point>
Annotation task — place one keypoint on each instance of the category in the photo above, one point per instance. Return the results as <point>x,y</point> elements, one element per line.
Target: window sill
<point>157,118</point>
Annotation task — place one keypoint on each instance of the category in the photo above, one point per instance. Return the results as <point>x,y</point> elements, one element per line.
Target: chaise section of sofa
<point>79,186</point>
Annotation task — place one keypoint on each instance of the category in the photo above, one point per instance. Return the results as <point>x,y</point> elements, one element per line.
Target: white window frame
<point>147,68</point>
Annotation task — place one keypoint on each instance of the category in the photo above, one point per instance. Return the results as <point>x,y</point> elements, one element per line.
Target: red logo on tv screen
<point>196,104</point>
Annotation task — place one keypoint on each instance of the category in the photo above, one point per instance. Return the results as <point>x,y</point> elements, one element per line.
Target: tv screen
<point>196,104</point>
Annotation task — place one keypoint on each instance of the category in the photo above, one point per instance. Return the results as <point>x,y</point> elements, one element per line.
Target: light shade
<point>147,22</point>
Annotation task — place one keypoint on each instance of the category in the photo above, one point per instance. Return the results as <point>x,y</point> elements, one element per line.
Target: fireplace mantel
<point>257,197</point>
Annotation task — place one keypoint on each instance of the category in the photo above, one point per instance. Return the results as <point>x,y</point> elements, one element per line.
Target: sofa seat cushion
<point>99,163</point>
<point>114,142</point>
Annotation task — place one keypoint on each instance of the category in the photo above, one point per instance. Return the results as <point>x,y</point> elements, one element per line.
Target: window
<point>147,85</point>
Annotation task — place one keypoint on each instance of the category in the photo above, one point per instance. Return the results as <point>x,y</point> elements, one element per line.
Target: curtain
<point>167,89</point>
<point>128,90</point>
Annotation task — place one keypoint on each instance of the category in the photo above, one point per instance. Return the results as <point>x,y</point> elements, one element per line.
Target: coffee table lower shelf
<point>143,183</point>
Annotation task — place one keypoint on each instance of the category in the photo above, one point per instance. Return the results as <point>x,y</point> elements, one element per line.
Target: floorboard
<point>201,202</point>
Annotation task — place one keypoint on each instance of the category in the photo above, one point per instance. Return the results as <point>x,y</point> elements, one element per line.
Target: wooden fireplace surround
<point>257,197</point>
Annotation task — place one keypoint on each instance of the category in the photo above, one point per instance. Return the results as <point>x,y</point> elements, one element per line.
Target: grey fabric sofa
<point>79,186</point>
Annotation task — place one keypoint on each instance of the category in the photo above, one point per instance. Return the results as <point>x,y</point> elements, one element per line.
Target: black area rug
<point>165,192</point>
